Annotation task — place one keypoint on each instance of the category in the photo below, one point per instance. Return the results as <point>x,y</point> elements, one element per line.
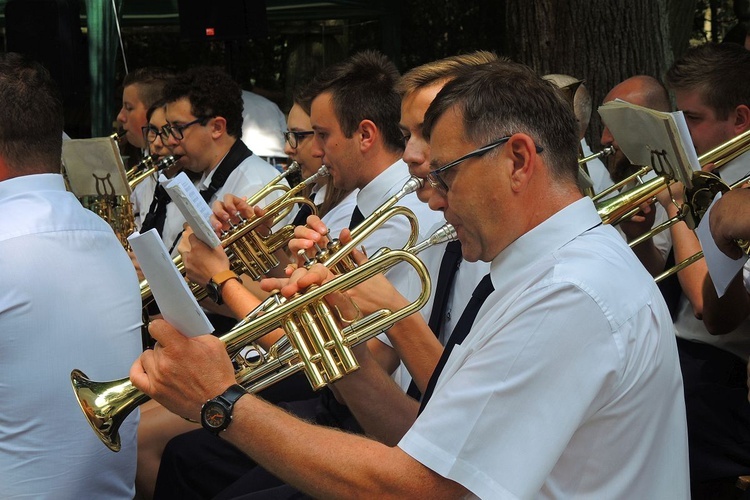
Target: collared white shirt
<point>69,299</point>
<point>569,383</point>
<point>686,325</point>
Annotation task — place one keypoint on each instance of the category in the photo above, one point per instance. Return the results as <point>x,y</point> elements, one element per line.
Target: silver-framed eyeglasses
<point>435,177</point>
<point>294,137</point>
<point>178,131</point>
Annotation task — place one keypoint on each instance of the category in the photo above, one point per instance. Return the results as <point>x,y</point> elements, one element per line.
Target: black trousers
<point>718,413</point>
<point>198,465</point>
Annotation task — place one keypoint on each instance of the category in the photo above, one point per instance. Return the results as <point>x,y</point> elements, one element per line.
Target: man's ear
<point>218,126</point>
<point>742,119</point>
<point>521,151</point>
<point>367,133</point>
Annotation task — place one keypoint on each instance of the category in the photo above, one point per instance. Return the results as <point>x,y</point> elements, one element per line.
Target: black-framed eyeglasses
<point>178,131</point>
<point>435,177</point>
<point>293,137</point>
<point>151,132</point>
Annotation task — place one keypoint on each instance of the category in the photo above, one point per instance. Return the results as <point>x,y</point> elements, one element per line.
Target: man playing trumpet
<point>553,388</point>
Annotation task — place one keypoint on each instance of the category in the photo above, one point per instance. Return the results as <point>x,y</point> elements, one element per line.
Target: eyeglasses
<point>151,132</point>
<point>434,177</point>
<point>294,138</point>
<point>178,131</point>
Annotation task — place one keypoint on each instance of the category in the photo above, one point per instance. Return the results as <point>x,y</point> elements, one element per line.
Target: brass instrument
<point>312,342</point>
<point>337,257</point>
<point>608,150</point>
<point>250,252</point>
<point>698,196</point>
<point>147,167</point>
<point>726,152</point>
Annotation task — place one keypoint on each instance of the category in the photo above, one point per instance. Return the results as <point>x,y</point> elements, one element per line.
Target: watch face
<point>212,290</point>
<point>214,415</point>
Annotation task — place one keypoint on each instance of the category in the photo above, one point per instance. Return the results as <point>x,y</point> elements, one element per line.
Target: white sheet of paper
<point>722,268</point>
<point>176,302</point>
<point>193,207</point>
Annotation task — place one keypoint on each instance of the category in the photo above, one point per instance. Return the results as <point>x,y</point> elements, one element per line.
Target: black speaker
<point>222,19</point>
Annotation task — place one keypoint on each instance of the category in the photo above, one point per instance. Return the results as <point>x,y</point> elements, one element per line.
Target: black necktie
<point>462,329</point>
<point>303,213</point>
<point>157,212</point>
<point>357,217</point>
<point>446,275</point>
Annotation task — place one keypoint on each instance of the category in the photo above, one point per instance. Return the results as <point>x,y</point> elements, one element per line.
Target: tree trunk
<point>600,42</point>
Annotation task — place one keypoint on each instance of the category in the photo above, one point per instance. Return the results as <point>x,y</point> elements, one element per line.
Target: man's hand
<point>180,372</point>
<point>201,261</point>
<point>227,213</point>
<point>640,223</point>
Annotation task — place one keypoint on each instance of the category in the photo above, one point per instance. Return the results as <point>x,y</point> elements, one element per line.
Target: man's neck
<point>376,165</point>
<point>221,148</point>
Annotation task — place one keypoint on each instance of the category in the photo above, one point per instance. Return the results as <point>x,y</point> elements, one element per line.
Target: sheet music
<point>655,138</point>
<point>193,207</point>
<point>94,167</point>
<point>176,302</point>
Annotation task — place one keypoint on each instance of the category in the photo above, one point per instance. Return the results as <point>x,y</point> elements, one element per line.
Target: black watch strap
<point>216,414</point>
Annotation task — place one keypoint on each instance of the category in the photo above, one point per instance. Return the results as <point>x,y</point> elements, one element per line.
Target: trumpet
<point>249,252</point>
<point>312,342</point>
<point>337,256</point>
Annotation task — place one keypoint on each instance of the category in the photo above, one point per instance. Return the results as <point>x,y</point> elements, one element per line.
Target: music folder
<point>94,167</point>
<point>649,137</point>
<point>176,302</point>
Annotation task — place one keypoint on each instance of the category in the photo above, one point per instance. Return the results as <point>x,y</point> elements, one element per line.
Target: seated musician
<point>574,342</point>
<point>716,109</point>
<point>69,298</point>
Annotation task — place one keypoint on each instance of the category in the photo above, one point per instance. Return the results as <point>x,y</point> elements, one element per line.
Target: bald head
<point>643,91</point>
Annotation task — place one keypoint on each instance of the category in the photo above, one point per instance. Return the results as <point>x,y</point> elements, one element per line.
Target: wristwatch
<point>216,413</point>
<point>213,288</point>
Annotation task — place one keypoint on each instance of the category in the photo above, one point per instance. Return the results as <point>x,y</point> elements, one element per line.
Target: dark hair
<point>502,98</point>
<point>31,117</point>
<point>719,72</point>
<point>363,88</point>
<point>150,83</point>
<point>211,92</point>
<point>156,105</point>
<point>303,97</point>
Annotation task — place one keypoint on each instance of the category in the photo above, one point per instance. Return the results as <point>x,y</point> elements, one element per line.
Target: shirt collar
<point>382,187</point>
<point>34,182</point>
<point>544,240</point>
